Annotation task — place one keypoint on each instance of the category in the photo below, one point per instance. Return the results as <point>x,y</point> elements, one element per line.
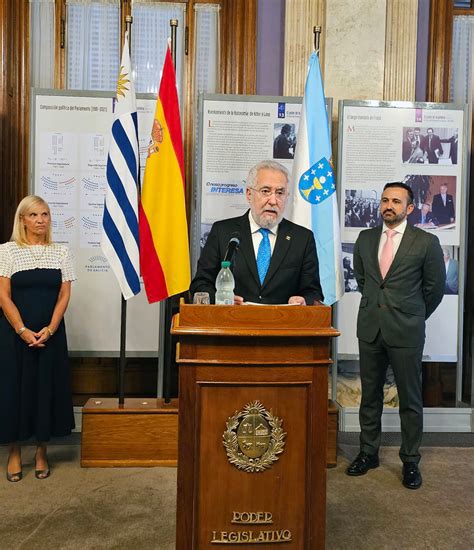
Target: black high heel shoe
<point>14,478</point>
<point>42,474</point>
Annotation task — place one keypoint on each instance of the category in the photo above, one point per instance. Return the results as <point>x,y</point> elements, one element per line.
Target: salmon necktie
<point>386,258</point>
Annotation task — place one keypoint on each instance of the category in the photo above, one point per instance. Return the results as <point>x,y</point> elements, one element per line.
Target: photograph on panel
<point>284,140</point>
<point>430,145</point>
<point>350,283</point>
<point>362,208</point>
<point>434,198</point>
<point>451,263</point>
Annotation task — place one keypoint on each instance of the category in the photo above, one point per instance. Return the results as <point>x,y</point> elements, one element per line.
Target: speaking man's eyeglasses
<point>266,192</point>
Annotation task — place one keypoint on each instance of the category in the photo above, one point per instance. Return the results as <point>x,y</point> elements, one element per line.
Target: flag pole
<point>168,309</point>
<point>174,30</point>
<point>123,311</point>
<point>317,38</point>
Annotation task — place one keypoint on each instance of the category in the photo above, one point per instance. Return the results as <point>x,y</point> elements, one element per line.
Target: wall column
<point>300,18</point>
<point>400,50</point>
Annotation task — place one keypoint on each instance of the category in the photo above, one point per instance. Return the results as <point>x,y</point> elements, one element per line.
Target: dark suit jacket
<point>430,150</point>
<point>415,218</point>
<point>443,213</point>
<point>412,289</point>
<point>453,150</point>
<point>407,149</point>
<point>293,270</point>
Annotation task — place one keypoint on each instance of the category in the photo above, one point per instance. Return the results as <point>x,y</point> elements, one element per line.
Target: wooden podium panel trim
<point>268,364</point>
<point>282,490</point>
<point>255,375</point>
<point>253,320</point>
<point>187,465</point>
<point>252,350</point>
<point>194,470</point>
<point>251,332</point>
<point>317,462</point>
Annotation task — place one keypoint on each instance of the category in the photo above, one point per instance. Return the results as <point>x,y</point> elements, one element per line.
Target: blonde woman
<point>35,286</point>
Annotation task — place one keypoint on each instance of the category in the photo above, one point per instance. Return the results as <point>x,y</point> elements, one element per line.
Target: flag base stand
<point>140,433</point>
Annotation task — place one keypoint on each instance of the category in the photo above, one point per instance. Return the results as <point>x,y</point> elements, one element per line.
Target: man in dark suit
<point>293,273</point>
<point>407,145</point>
<point>443,206</point>
<point>453,150</point>
<point>452,275</point>
<point>401,275</point>
<point>417,138</point>
<point>422,216</point>
<point>283,146</point>
<point>432,148</point>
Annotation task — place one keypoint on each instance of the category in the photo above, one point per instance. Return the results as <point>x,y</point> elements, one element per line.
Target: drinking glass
<point>201,298</point>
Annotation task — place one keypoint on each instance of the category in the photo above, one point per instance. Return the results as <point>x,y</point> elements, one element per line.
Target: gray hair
<point>266,165</point>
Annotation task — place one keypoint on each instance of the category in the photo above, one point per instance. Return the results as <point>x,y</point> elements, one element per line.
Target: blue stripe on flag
<point>116,240</point>
<point>137,167</point>
<point>123,142</point>
<point>117,187</point>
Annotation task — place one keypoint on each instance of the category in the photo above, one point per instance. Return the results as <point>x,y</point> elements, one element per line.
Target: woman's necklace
<point>37,257</point>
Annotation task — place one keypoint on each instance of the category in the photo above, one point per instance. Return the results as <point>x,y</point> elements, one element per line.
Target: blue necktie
<point>264,254</point>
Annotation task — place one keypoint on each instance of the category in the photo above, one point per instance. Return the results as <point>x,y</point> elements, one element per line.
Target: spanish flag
<point>164,247</point>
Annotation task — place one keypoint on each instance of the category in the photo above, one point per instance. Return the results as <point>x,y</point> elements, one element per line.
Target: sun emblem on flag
<point>317,183</point>
<point>122,83</point>
<point>156,138</point>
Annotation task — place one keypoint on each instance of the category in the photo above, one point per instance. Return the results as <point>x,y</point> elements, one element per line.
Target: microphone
<point>232,247</point>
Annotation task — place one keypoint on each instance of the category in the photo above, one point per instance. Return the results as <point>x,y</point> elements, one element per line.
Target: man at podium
<point>274,261</point>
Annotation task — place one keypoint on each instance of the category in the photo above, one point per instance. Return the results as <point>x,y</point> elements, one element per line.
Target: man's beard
<point>395,219</point>
<point>267,222</point>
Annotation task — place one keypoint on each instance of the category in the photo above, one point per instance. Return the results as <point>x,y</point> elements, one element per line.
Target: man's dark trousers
<point>406,364</point>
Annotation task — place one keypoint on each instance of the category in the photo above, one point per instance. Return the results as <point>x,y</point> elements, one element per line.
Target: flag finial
<point>317,35</point>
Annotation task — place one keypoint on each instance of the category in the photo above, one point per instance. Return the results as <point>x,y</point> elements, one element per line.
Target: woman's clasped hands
<point>35,339</point>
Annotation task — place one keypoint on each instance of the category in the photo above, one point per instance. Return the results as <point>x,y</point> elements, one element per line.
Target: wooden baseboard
<point>144,433</point>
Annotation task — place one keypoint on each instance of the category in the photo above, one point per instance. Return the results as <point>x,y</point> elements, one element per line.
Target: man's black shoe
<point>362,464</point>
<point>411,475</point>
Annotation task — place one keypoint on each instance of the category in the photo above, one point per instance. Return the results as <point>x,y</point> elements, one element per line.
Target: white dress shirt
<point>257,237</point>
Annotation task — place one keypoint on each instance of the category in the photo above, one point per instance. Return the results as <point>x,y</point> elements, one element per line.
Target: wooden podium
<point>252,425</point>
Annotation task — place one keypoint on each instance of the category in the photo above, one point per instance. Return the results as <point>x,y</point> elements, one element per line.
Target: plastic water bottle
<point>225,286</point>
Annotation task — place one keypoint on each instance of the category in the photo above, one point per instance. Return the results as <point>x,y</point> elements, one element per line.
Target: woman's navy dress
<point>35,394</point>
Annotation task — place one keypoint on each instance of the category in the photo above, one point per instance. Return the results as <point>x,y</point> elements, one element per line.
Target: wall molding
<point>435,419</point>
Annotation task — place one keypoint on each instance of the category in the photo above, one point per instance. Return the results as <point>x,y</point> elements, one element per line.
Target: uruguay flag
<point>120,242</point>
<point>314,202</point>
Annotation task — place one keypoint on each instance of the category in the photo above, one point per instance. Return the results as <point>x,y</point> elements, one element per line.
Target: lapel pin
<point>288,238</point>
